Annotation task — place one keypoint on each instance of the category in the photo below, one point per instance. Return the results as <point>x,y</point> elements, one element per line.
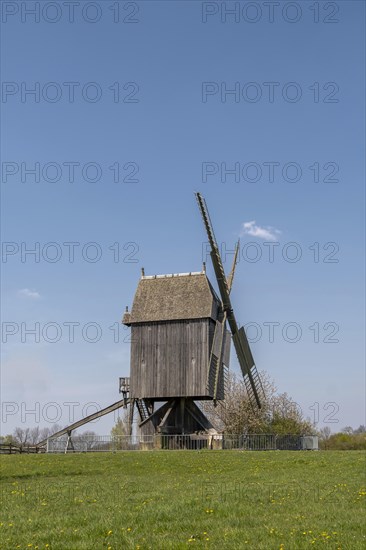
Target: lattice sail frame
<point>251,376</point>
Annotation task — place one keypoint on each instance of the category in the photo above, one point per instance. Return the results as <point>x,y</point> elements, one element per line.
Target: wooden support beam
<point>157,412</point>
<point>85,420</point>
<point>168,411</point>
<point>198,416</point>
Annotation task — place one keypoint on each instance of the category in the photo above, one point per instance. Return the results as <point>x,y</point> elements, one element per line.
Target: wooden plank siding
<point>171,358</point>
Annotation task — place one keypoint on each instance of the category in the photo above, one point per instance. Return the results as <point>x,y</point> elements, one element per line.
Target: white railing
<point>247,442</point>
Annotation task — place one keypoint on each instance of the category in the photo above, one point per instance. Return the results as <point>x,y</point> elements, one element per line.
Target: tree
<point>348,430</point>
<point>41,434</point>
<point>22,436</point>
<point>8,440</point>
<point>285,416</point>
<point>279,414</point>
<point>324,435</point>
<point>121,427</point>
<point>120,430</point>
<point>86,441</point>
<point>345,441</point>
<point>32,436</point>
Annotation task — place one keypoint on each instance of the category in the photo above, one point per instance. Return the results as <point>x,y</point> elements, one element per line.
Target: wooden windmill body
<point>176,335</point>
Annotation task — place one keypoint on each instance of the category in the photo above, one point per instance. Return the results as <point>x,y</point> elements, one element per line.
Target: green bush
<point>344,442</point>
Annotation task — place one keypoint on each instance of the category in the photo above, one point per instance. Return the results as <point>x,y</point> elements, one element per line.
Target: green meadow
<point>184,499</point>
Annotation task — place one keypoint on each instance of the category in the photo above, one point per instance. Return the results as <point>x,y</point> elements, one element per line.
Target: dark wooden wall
<point>170,359</point>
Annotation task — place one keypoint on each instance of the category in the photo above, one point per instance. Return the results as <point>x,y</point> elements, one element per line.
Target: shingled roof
<point>173,297</point>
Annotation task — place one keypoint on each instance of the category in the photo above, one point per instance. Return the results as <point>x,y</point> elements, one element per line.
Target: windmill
<point>180,350</point>
<point>168,310</point>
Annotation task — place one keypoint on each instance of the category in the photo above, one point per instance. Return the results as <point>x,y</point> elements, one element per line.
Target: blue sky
<point>175,63</point>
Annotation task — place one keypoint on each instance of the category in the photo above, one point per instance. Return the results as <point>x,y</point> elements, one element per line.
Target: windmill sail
<point>230,278</point>
<point>250,374</point>
<point>219,361</point>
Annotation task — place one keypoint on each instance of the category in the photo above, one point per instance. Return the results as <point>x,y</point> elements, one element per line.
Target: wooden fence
<point>10,449</point>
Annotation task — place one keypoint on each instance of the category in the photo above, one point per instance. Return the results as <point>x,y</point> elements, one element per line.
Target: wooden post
<point>182,405</point>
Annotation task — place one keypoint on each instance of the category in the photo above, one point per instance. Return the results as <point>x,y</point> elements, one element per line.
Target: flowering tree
<point>235,415</point>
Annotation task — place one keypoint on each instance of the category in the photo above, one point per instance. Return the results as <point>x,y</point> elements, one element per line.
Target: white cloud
<point>266,233</point>
<point>33,294</point>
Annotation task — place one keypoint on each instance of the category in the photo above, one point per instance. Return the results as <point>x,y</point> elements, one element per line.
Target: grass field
<point>184,499</point>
